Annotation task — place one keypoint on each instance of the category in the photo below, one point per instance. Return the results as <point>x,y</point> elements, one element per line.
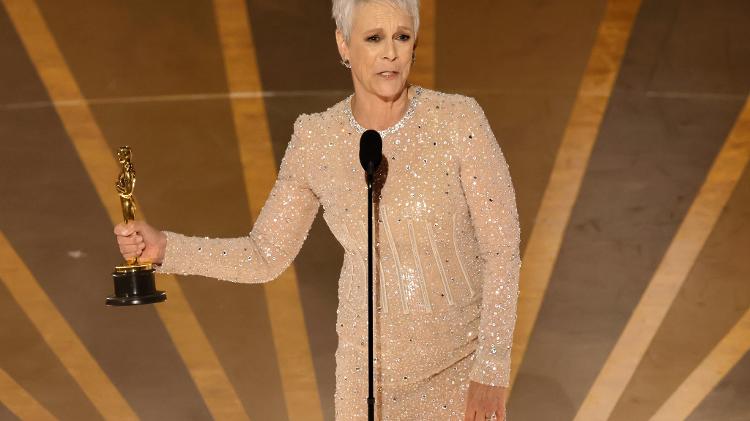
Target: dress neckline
<point>399,124</point>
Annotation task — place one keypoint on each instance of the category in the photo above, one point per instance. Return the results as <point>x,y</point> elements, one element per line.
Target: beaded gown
<point>447,258</point>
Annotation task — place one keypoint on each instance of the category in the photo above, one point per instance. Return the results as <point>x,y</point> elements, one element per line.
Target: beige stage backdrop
<point>625,123</point>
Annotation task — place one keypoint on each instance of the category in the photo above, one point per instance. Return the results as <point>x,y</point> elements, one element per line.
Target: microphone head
<point>370,150</point>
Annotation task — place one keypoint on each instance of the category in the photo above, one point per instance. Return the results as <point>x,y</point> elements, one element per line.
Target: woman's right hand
<point>139,239</point>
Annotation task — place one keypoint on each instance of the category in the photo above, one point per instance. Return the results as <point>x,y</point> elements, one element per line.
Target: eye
<point>404,37</point>
<point>373,38</point>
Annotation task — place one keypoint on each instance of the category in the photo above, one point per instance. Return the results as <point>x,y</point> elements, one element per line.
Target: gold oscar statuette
<point>134,280</point>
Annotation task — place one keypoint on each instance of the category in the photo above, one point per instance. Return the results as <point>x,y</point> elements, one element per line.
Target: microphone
<point>370,152</point>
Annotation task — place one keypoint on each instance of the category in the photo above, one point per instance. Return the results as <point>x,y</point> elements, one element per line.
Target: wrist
<point>162,247</point>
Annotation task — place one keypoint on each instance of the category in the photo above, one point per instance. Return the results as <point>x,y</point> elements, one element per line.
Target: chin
<point>389,88</point>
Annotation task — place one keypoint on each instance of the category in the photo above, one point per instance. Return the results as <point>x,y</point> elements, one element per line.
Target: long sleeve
<point>274,241</point>
<point>490,195</point>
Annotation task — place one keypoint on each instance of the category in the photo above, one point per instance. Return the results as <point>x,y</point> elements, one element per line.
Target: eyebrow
<point>401,27</point>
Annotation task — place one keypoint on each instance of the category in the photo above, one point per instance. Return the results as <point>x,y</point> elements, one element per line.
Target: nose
<point>390,50</point>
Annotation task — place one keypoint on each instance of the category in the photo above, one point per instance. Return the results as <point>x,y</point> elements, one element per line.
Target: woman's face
<point>380,48</point>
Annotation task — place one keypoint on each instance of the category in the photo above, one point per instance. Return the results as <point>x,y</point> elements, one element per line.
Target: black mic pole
<point>370,152</point>
<point>370,395</point>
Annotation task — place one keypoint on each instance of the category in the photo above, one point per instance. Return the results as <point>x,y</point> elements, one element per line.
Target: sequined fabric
<point>447,252</point>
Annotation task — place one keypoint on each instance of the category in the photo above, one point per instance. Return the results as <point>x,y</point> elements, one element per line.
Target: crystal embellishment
<point>383,133</point>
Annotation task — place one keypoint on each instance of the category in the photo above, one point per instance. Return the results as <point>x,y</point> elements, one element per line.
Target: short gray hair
<point>343,11</point>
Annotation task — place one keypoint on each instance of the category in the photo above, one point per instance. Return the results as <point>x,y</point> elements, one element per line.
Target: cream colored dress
<point>447,257</point>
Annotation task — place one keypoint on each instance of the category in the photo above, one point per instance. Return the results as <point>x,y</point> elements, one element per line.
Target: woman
<point>447,254</point>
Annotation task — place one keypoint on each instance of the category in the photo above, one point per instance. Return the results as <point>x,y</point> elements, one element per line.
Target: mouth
<point>388,74</point>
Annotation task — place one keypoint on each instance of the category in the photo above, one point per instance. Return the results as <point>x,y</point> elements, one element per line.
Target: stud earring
<point>346,63</point>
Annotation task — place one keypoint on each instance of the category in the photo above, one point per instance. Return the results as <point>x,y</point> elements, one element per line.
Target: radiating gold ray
<point>54,73</point>
<point>98,160</point>
<point>198,353</point>
<point>59,336</point>
<point>285,313</point>
<point>19,401</point>
<point>708,373</point>
<point>570,166</point>
<point>423,71</point>
<point>671,273</point>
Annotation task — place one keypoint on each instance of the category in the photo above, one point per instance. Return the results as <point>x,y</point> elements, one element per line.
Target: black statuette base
<point>135,287</point>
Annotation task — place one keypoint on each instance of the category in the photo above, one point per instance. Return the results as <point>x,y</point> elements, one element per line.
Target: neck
<point>376,112</point>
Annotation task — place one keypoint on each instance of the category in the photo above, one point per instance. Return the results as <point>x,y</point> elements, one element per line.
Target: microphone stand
<point>370,323</point>
<point>370,154</point>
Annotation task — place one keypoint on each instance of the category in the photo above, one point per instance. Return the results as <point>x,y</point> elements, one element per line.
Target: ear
<point>341,44</point>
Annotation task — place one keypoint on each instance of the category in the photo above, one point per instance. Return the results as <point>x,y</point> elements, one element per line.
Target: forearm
<point>485,177</point>
<point>239,260</point>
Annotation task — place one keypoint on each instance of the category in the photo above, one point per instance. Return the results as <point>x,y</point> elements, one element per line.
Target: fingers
<point>482,416</point>
<point>132,250</point>
<point>130,230</point>
<point>132,244</point>
<point>131,239</point>
<point>474,413</point>
<point>125,229</point>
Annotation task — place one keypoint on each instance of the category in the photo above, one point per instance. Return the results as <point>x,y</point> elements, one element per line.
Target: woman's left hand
<point>484,400</point>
